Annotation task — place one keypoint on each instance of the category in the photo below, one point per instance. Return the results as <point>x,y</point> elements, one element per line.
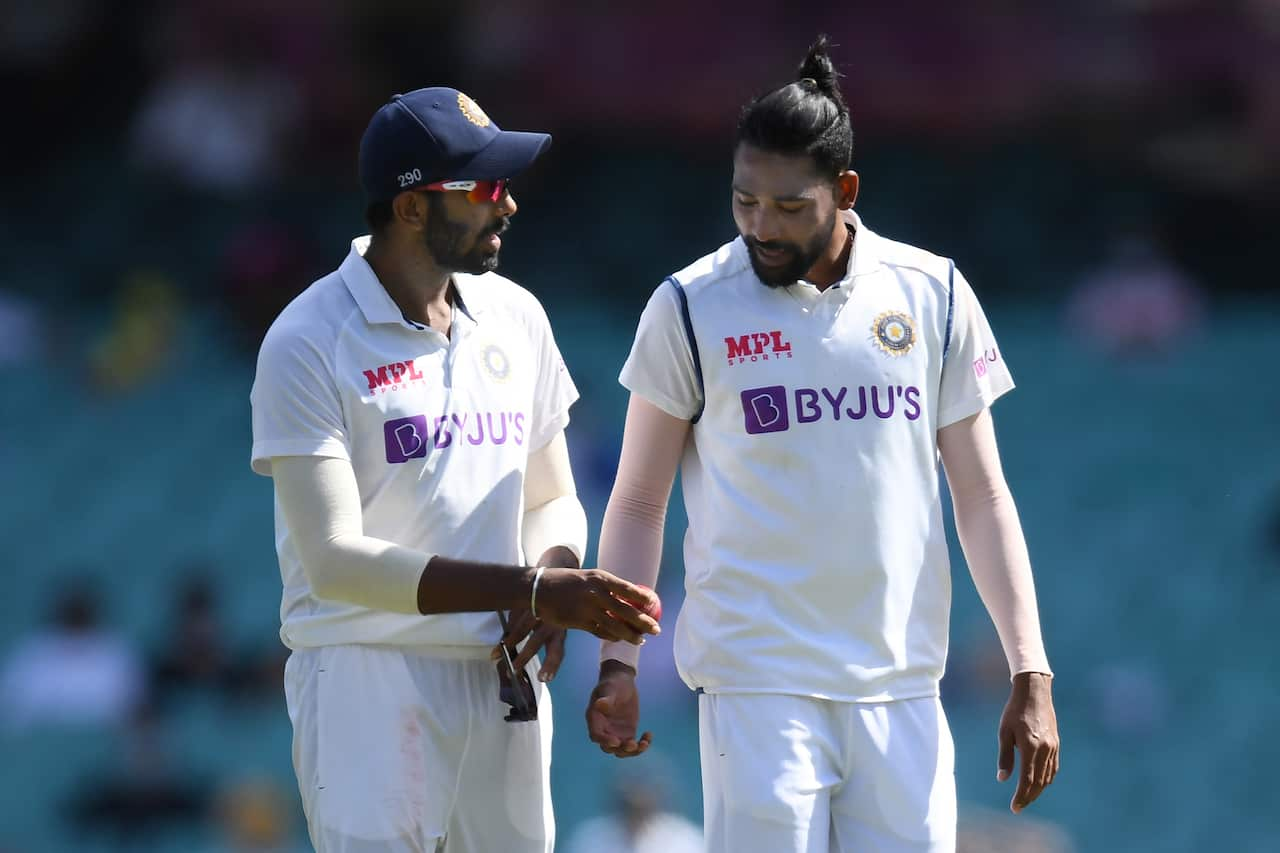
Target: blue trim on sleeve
<point>693,347</point>
<point>951,307</point>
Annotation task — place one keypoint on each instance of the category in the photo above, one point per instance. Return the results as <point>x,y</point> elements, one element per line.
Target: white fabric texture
<point>816,560</point>
<point>437,431</point>
<point>991,536</point>
<point>384,766</point>
<point>793,774</point>
<point>553,515</point>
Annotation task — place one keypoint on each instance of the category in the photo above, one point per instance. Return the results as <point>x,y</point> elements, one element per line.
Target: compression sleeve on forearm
<point>992,539</point>
<point>320,501</point>
<point>553,514</point>
<point>631,536</point>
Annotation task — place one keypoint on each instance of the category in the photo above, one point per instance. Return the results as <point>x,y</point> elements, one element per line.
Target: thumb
<point>1004,762</point>
<point>603,704</point>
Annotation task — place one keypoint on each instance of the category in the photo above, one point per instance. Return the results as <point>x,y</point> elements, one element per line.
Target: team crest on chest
<point>496,363</point>
<point>894,332</point>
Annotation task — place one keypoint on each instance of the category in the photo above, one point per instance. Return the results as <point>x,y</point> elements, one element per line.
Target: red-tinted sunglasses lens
<point>487,191</point>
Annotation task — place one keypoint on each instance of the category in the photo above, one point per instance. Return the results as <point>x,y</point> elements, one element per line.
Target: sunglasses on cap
<point>477,191</point>
<point>515,687</point>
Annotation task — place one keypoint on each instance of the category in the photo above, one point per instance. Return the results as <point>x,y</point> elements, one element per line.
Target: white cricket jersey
<point>438,430</point>
<point>816,559</point>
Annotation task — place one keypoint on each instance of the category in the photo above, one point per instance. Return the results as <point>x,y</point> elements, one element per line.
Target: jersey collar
<point>374,301</point>
<point>863,258</point>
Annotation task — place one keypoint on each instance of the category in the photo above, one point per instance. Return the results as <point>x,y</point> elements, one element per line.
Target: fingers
<point>1027,789</point>
<point>631,748</point>
<point>601,727</point>
<point>632,601</point>
<point>555,655</point>
<point>614,736</point>
<point>1038,762</point>
<point>536,641</point>
<point>610,629</point>
<point>611,723</point>
<point>629,623</point>
<point>522,622</point>
<point>1004,761</point>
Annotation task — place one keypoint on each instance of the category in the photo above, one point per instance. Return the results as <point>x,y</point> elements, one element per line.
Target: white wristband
<point>533,596</point>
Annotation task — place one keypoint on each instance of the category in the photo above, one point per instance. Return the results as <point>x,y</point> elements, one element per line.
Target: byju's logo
<point>757,346</point>
<point>769,409</point>
<point>980,364</point>
<point>406,438</point>
<point>412,437</point>
<point>765,409</point>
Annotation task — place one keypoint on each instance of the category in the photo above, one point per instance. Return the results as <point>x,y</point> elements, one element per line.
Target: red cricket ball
<point>656,610</point>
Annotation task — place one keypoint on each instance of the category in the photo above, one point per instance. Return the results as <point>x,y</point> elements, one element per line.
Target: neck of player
<point>419,287</point>
<point>834,263</point>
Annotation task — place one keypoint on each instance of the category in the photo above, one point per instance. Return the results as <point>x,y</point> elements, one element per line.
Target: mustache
<point>501,227</point>
<point>771,245</point>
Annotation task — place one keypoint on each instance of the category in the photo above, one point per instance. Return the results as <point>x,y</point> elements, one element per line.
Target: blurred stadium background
<point>1105,172</point>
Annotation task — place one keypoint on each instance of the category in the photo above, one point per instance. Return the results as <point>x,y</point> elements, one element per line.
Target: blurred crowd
<point>200,155</point>
<point>79,672</point>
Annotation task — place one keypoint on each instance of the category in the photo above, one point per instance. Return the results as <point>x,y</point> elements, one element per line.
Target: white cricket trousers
<point>400,750</point>
<point>791,774</point>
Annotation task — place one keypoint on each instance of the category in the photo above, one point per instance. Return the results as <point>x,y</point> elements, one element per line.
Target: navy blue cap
<point>439,134</point>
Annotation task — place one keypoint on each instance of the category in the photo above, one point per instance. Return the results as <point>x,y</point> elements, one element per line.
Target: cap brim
<point>509,154</point>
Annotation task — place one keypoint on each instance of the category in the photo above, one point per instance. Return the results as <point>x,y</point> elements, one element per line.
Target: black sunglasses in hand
<point>515,688</point>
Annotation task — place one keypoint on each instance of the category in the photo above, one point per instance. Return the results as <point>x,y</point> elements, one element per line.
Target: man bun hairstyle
<point>807,116</point>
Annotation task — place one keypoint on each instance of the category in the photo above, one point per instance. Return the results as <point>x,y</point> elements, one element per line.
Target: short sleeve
<point>660,367</point>
<point>296,407</point>
<point>554,391</point>
<point>974,373</point>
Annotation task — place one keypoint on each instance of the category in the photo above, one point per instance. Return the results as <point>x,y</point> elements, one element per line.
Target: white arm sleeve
<point>320,501</point>
<point>992,539</point>
<point>553,514</point>
<point>631,536</point>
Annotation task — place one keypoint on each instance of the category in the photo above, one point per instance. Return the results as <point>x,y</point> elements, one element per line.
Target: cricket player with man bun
<point>808,376</point>
<point>410,408</point>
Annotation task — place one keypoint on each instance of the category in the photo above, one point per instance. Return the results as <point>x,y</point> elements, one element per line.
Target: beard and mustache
<point>801,260</point>
<point>445,240</point>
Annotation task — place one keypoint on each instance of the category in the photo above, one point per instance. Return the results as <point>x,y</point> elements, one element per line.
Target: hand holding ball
<point>654,610</point>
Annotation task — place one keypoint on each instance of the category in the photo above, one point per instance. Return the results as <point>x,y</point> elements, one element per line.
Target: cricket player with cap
<point>807,377</point>
<point>410,408</point>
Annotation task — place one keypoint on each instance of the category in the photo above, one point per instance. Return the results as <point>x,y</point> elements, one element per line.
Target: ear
<point>846,189</point>
<point>411,209</point>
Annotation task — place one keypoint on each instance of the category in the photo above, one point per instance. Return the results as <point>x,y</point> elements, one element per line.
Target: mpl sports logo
<point>756,346</point>
<point>392,377</point>
<point>769,409</point>
<point>412,437</point>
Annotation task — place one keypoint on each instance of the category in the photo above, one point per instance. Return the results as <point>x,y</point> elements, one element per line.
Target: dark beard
<point>445,238</point>
<point>802,257</point>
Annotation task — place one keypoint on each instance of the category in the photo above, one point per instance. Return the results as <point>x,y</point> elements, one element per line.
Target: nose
<point>764,226</point>
<point>507,204</point>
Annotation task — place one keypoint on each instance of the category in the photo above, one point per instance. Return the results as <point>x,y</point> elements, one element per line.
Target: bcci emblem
<point>894,333</point>
<point>472,111</point>
<point>496,363</point>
